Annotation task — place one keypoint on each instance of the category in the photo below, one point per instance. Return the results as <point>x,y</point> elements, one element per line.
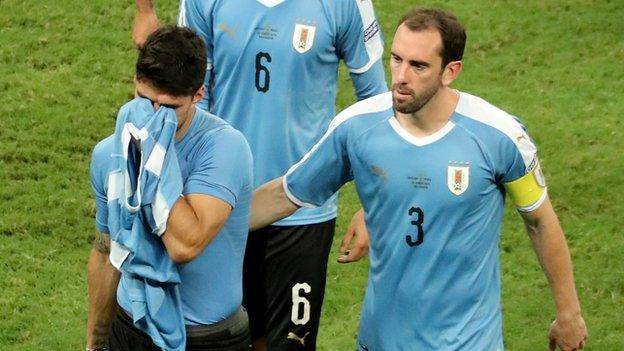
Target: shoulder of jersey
<point>373,104</point>
<point>477,109</point>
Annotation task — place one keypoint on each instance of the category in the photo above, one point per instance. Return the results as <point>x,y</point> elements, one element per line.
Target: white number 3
<point>300,301</point>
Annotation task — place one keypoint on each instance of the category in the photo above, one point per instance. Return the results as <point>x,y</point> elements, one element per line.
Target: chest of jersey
<point>441,195</point>
<point>450,173</point>
<point>271,44</point>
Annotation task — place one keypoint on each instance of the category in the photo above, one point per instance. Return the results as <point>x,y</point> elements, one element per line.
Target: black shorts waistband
<point>235,324</point>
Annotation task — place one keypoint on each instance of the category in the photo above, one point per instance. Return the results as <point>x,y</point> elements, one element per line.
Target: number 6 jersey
<point>433,208</point>
<point>273,73</point>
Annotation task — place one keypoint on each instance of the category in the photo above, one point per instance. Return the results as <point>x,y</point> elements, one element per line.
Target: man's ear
<point>451,71</point>
<point>199,94</point>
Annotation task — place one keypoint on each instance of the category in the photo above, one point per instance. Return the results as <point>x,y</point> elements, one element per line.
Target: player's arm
<point>220,173</point>
<point>355,242</point>
<point>568,331</point>
<point>270,204</point>
<point>194,220</point>
<point>360,44</point>
<point>102,280</point>
<point>145,21</point>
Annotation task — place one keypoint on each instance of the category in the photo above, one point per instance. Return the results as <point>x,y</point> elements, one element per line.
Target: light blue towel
<point>143,184</point>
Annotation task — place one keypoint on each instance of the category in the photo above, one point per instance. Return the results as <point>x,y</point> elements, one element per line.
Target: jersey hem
<point>307,220</point>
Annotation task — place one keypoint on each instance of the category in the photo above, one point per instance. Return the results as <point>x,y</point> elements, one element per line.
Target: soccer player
<point>207,226</point>
<point>432,166</point>
<point>273,75</point>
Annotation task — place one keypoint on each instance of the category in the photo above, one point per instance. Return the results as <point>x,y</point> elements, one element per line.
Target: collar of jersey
<point>420,141</point>
<point>270,3</point>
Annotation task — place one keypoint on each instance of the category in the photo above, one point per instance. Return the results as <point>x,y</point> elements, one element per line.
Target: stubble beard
<point>417,102</point>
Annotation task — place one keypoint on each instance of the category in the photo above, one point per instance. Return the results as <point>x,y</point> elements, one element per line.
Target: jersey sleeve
<point>322,171</point>
<point>98,176</point>
<point>521,173</point>
<point>222,167</point>
<point>197,15</point>
<point>360,45</point>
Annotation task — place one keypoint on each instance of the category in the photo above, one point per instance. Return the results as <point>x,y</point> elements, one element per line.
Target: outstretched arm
<point>102,280</point>
<point>270,204</point>
<point>568,331</point>
<point>145,21</point>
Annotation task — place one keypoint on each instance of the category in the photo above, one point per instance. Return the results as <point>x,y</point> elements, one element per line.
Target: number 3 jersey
<point>433,208</point>
<point>273,73</point>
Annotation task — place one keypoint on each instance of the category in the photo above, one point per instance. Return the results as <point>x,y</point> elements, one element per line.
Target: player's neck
<point>183,126</point>
<point>433,116</point>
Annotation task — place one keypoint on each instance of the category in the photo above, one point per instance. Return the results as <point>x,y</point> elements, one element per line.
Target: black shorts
<point>231,334</point>
<point>284,283</point>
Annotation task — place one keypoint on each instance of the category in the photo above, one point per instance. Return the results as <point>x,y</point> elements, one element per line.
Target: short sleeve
<point>322,171</point>
<point>360,45</point>
<point>222,166</point>
<point>359,41</point>
<point>98,176</point>
<point>197,15</point>
<point>521,173</point>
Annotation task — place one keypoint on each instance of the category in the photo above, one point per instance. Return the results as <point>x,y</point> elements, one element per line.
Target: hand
<point>145,23</point>
<point>356,229</point>
<point>570,334</point>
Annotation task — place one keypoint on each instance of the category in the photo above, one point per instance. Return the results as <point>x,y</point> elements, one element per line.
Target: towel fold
<point>144,182</point>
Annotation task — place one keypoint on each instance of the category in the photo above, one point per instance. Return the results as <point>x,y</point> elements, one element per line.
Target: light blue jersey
<point>273,67</point>
<point>214,160</point>
<point>433,208</point>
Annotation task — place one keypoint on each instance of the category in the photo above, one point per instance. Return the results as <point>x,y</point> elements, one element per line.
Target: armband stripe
<point>527,190</point>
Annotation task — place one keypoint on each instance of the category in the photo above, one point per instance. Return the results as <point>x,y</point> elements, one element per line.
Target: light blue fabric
<point>276,71</point>
<point>433,207</point>
<point>143,185</point>
<point>214,160</point>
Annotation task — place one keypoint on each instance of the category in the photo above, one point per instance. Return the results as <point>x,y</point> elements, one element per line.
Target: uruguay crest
<point>303,37</point>
<point>458,177</point>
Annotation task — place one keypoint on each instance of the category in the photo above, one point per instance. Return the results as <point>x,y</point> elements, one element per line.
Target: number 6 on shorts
<point>297,301</point>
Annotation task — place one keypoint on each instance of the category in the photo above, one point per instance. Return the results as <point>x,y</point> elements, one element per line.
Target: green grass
<point>66,66</point>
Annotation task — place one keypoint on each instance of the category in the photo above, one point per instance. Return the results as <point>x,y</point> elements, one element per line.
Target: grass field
<point>66,66</point>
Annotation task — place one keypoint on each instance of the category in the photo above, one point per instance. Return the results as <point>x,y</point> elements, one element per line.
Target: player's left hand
<point>569,334</point>
<point>357,229</point>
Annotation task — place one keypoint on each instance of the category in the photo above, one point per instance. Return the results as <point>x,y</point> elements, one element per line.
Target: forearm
<point>270,204</point>
<point>145,21</point>
<point>183,231</point>
<point>193,222</point>
<point>145,6</point>
<point>102,280</point>
<point>552,251</point>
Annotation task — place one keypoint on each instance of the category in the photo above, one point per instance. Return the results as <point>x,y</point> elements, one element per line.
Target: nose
<point>400,73</point>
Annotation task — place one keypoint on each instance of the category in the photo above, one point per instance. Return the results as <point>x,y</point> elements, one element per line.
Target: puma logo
<point>520,138</point>
<point>379,172</point>
<point>294,336</point>
<point>229,31</point>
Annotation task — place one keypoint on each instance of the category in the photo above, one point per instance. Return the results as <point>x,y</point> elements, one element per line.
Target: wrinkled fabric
<point>144,182</point>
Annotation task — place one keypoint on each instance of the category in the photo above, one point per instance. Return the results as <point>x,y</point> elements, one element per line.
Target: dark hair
<point>173,60</point>
<point>452,32</point>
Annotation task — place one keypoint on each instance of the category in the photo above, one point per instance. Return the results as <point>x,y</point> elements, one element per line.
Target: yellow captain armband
<point>529,191</point>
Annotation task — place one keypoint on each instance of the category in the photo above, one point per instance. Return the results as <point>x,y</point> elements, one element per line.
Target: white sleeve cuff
<point>293,198</point>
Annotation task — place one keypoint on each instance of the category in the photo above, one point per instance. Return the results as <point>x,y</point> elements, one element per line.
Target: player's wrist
<point>568,314</point>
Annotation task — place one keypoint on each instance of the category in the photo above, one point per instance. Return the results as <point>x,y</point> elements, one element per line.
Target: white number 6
<point>297,301</point>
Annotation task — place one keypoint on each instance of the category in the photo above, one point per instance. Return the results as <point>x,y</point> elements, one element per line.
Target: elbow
<point>185,252</point>
<point>184,255</point>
